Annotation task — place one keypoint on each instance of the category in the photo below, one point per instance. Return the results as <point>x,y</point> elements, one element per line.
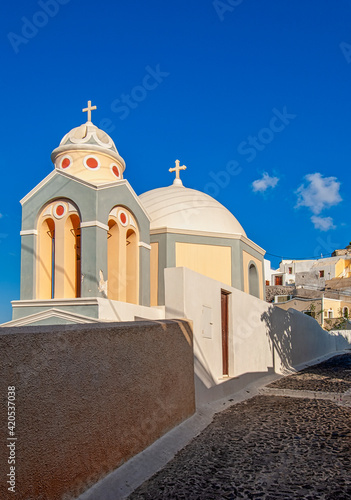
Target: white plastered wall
<point>114,310</point>
<point>262,339</point>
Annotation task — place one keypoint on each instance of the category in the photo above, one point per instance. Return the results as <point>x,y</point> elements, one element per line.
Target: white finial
<point>177,181</point>
<point>89,109</point>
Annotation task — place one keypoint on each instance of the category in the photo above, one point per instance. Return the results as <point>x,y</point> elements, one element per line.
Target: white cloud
<point>319,193</point>
<point>323,223</point>
<point>261,185</point>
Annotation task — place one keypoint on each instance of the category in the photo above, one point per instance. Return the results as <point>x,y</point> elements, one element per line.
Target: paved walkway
<point>270,447</point>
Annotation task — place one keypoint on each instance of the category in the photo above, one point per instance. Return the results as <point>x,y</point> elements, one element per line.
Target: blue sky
<point>253,97</point>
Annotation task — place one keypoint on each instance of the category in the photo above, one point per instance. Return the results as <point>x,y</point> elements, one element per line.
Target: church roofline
<point>96,187</point>
<point>38,187</point>
<point>50,313</point>
<point>228,236</point>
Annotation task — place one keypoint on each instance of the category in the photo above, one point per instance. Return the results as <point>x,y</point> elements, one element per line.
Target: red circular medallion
<point>123,218</point>
<point>92,163</point>
<point>115,170</point>
<point>65,163</point>
<point>60,210</point>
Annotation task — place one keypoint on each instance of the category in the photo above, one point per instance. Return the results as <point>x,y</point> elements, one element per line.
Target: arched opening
<point>46,260</point>
<point>113,292</point>
<point>122,256</point>
<point>132,267</point>
<point>345,312</point>
<point>254,288</point>
<point>58,252</point>
<point>72,255</point>
<point>330,313</point>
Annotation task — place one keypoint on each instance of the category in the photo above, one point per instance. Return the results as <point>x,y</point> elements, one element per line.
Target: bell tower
<point>85,234</point>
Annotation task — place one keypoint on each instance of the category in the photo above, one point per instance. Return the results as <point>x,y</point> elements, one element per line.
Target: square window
<point>321,274</point>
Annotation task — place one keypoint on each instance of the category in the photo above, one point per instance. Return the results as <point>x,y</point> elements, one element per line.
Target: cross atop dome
<point>89,109</point>
<point>177,181</point>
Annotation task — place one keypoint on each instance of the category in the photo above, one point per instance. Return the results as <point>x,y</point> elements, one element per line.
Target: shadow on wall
<point>296,338</point>
<point>279,333</point>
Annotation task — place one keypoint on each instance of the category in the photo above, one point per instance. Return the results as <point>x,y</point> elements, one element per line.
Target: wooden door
<point>225,332</point>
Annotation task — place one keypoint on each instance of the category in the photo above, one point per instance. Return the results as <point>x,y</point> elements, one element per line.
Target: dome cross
<point>177,170</point>
<point>89,109</point>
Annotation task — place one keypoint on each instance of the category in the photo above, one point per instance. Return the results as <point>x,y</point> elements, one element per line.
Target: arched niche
<point>254,285</point>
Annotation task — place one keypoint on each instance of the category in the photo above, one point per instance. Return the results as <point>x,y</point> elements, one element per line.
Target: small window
<point>321,274</point>
<point>290,270</point>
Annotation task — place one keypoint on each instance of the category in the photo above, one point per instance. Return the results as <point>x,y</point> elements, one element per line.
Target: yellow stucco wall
<point>339,268</point>
<point>212,261</point>
<point>334,305</point>
<point>103,173</point>
<point>345,304</point>
<point>246,260</point>
<point>154,274</point>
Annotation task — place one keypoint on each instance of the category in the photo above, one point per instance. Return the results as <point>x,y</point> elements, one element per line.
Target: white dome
<point>88,136</point>
<point>177,207</point>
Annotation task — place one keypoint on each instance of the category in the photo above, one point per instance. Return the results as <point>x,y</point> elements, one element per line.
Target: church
<point>93,250</point>
<point>156,299</point>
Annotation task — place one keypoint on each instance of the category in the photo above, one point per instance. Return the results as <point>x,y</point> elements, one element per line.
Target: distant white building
<point>285,275</point>
<point>308,272</point>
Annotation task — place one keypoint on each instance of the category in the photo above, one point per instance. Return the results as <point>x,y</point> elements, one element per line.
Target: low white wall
<point>262,339</point>
<point>113,310</point>
<point>341,336</point>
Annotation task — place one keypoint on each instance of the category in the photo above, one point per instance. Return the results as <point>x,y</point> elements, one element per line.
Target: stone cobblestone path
<point>333,375</point>
<point>268,447</point>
